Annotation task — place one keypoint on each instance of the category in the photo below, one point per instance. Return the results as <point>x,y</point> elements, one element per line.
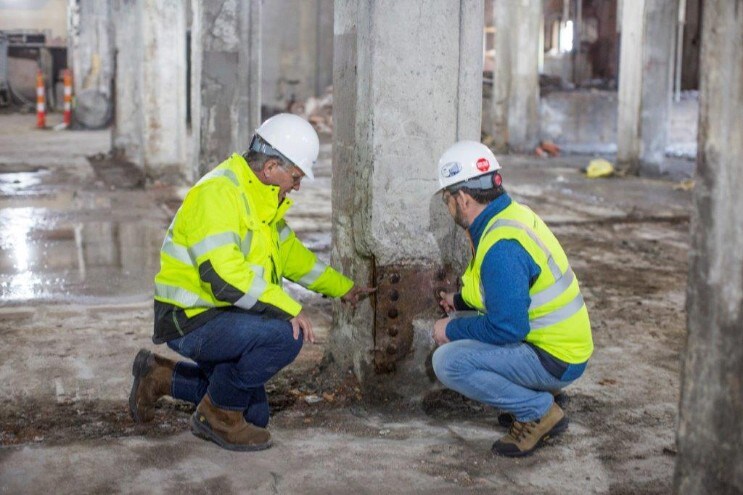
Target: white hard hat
<point>293,137</point>
<point>467,161</point>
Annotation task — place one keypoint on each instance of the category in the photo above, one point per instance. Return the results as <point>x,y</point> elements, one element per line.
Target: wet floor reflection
<point>75,261</point>
<point>10,183</point>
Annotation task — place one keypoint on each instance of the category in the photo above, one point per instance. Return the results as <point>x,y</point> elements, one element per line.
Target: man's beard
<point>460,220</point>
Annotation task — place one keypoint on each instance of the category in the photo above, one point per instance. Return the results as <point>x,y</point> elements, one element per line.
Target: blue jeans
<point>235,354</point>
<point>508,377</point>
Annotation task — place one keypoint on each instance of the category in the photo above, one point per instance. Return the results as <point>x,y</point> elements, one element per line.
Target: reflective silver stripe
<point>558,315</point>
<point>245,244</point>
<point>182,296</point>
<point>258,270</point>
<point>176,250</point>
<point>247,206</point>
<point>284,233</point>
<point>556,273</point>
<point>189,255</point>
<point>257,288</point>
<point>553,291</point>
<point>221,173</point>
<point>562,282</point>
<point>213,242</point>
<point>311,277</point>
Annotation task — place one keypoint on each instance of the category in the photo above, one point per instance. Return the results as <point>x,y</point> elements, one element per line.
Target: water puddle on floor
<point>72,260</point>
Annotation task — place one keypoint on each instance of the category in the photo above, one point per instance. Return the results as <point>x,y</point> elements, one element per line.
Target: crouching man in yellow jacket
<point>219,298</point>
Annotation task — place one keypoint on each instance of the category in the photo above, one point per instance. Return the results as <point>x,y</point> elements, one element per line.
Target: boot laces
<point>519,430</point>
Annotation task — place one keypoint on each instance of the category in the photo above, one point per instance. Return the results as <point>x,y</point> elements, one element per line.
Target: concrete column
<point>164,82</point>
<point>225,79</point>
<point>126,133</point>
<point>150,122</point>
<point>645,83</point>
<point>324,58</point>
<point>407,84</point>
<point>297,46</point>
<point>518,27</point>
<point>91,57</point>
<point>710,435</point>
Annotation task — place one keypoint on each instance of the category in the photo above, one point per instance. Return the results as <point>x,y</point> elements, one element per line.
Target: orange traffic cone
<point>67,115</point>
<point>40,101</point>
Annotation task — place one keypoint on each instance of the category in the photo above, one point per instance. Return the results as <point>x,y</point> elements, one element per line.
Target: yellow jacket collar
<point>263,198</point>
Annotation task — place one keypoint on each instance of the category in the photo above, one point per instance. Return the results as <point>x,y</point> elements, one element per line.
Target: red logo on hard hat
<point>483,165</point>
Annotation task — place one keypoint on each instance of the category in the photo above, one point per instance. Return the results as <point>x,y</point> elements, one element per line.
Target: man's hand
<point>447,301</point>
<point>302,321</point>
<point>356,294</point>
<point>439,331</point>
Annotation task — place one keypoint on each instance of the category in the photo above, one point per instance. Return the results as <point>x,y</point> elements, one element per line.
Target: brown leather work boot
<point>506,419</point>
<point>153,376</point>
<point>227,428</point>
<point>523,438</point>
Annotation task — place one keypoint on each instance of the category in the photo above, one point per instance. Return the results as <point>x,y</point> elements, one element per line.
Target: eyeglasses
<point>296,176</point>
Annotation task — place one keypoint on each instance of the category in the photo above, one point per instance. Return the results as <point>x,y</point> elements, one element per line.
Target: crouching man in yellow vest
<point>518,332</point>
<point>219,298</point>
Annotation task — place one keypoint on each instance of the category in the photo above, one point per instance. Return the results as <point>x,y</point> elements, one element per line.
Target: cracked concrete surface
<point>78,250</point>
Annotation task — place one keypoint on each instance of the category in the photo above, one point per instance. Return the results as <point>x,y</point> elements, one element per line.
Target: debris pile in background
<point>547,149</point>
<point>319,111</point>
<point>684,185</point>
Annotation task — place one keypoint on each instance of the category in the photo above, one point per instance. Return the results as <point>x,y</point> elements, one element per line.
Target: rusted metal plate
<point>404,293</point>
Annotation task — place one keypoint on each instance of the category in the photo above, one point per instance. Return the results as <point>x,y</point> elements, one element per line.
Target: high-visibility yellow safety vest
<point>558,318</point>
<point>229,245</point>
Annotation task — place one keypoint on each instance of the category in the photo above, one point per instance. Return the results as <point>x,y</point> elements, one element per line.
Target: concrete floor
<point>78,250</point>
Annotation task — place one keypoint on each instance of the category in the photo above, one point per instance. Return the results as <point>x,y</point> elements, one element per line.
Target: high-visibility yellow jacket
<point>229,248</point>
<point>558,318</point>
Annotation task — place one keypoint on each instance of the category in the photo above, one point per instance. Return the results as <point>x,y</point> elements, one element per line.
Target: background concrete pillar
<point>645,83</point>
<point>126,132</point>
<point>324,56</point>
<point>164,82</point>
<point>91,58</point>
<point>225,79</point>
<point>407,84</point>
<point>150,123</point>
<point>710,435</point>
<point>297,48</point>
<point>518,26</point>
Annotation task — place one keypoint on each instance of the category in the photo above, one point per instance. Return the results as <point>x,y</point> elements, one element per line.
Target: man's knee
<point>285,345</point>
<point>446,362</point>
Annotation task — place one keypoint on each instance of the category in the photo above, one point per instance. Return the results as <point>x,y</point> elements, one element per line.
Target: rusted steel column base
<point>404,293</point>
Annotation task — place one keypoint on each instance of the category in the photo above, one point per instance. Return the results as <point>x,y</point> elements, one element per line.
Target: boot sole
<point>203,431</point>
<point>556,430</point>
<point>140,363</point>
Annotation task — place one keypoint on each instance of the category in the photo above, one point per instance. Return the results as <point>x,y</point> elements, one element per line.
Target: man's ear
<point>270,165</point>
<point>462,198</point>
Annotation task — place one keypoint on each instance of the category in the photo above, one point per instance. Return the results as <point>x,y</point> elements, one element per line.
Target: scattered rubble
<point>318,111</point>
<point>684,185</point>
<point>547,149</point>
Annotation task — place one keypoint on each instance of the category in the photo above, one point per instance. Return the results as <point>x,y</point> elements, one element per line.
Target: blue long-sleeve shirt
<point>507,273</point>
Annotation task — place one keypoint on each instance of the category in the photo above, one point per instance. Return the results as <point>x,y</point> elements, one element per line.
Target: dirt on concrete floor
<point>66,370</point>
